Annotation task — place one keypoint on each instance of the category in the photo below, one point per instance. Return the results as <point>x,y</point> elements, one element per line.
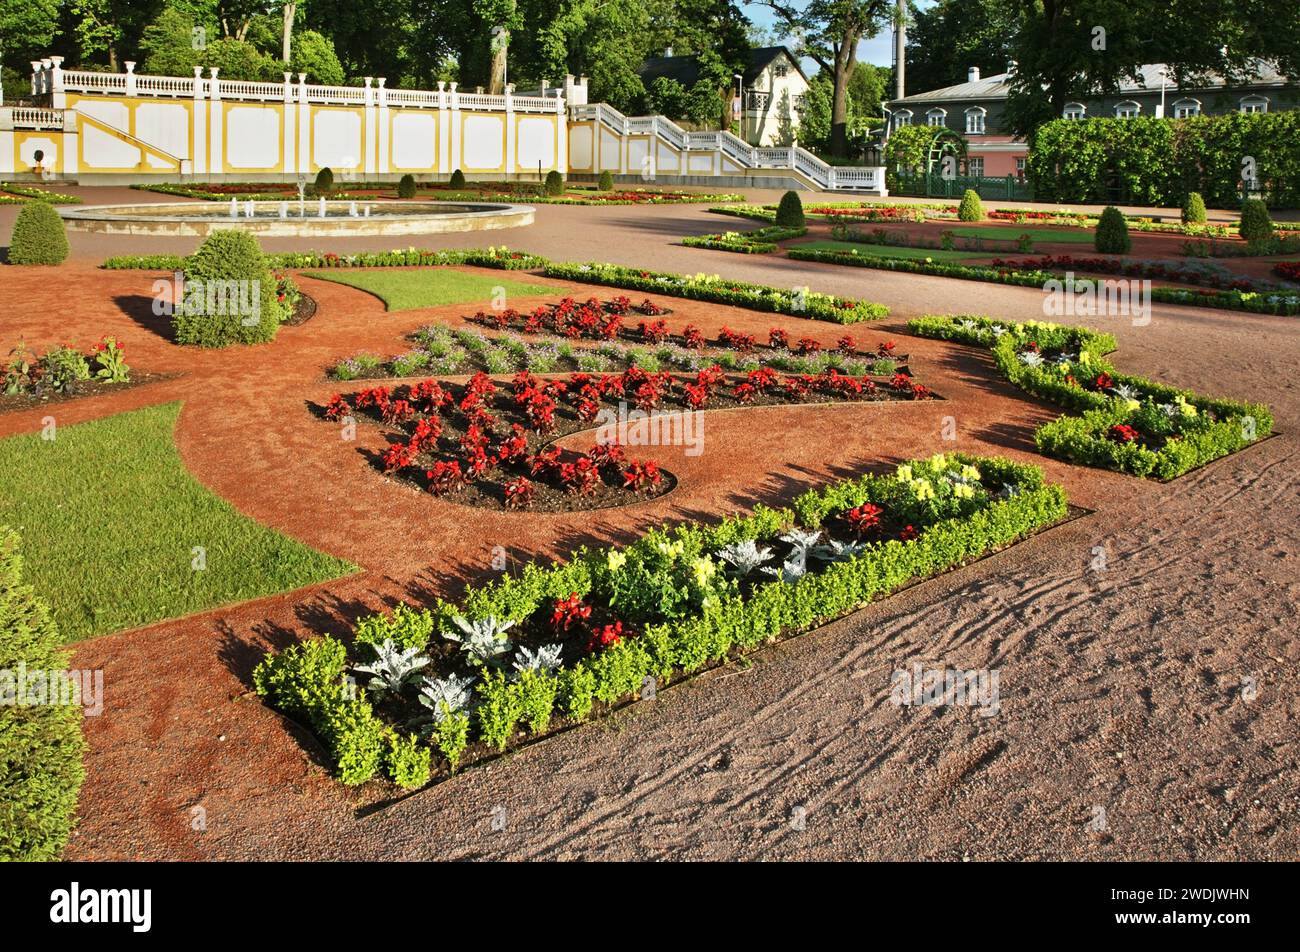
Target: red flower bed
<point>1288,269</point>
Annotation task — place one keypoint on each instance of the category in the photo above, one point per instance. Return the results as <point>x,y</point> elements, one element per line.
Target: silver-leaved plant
<point>393,667</point>
<point>744,557</point>
<point>483,639</point>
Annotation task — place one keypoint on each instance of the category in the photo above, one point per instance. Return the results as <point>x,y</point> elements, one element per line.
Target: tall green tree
<point>946,39</point>
<point>828,32</point>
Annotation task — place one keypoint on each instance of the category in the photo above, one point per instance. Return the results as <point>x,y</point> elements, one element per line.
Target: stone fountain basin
<point>386,218</point>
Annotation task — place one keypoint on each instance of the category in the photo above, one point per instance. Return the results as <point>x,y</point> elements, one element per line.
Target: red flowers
<point>908,534</point>
<point>569,610</point>
<point>863,519</point>
<point>337,408</point>
<point>741,342</point>
<point>1123,433</point>
<point>1287,269</point>
<point>778,338</point>
<point>653,332</point>
<point>1103,381</point>
<point>808,345</point>
<point>606,637</point>
<point>445,477</point>
<point>642,476</point>
<point>846,345</point>
<point>581,477</point>
<point>519,493</point>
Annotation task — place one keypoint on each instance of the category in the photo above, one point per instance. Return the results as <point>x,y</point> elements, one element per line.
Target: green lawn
<point>1073,236</point>
<point>110,518</point>
<point>888,251</point>
<point>408,288</point>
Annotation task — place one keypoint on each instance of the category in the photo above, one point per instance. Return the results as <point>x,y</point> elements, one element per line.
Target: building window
<point>1020,167</point>
<point>757,101</point>
<point>936,117</point>
<point>780,69</point>
<point>903,118</point>
<point>1185,108</point>
<point>1253,104</point>
<point>975,166</point>
<point>1127,110</point>
<point>975,121</point>
<point>1075,110</point>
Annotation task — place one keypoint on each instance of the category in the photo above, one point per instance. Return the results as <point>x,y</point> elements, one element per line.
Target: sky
<point>878,50</point>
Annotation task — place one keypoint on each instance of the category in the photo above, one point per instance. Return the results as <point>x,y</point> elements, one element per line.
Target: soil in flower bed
<point>303,311</point>
<point>488,443</point>
<point>10,403</point>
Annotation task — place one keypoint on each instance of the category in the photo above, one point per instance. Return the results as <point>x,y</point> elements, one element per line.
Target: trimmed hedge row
<point>700,287</point>
<point>761,241</point>
<point>1257,302</point>
<point>502,257</point>
<point>1085,439</point>
<point>307,681</point>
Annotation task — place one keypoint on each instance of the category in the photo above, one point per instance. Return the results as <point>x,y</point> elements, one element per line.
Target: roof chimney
<point>668,51</point>
<point>1011,67</point>
<point>973,74</point>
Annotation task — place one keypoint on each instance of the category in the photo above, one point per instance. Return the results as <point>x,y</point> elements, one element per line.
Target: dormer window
<point>1075,111</point>
<point>1128,110</point>
<point>975,120</point>
<point>903,118</point>
<point>936,117</point>
<point>1186,108</point>
<point>1254,104</point>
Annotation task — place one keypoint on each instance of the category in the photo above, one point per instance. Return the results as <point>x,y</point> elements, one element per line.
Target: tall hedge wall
<point>1159,161</point>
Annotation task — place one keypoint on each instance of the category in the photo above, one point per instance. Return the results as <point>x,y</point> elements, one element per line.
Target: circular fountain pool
<point>288,218</point>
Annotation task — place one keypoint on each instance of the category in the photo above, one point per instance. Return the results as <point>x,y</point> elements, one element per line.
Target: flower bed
<point>445,352</point>
<point>63,370</point>
<point>1128,423</point>
<point>488,446</point>
<point>490,257</point>
<point>40,194</point>
<point>1259,302</point>
<point>1290,270</point>
<point>562,642</point>
<point>701,287</point>
<point>636,196</point>
<point>762,241</point>
<point>1200,274</point>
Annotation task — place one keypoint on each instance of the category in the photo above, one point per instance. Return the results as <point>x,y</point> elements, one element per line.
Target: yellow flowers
<point>963,491</point>
<point>922,489</point>
<point>939,461</point>
<point>905,473</point>
<point>704,570</point>
<point>970,473</point>
<point>671,549</point>
<point>1132,405</point>
<point>615,560</point>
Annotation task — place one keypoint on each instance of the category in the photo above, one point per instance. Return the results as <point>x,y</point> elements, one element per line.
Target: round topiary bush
<point>38,236</point>
<point>1112,233</point>
<point>324,181</point>
<point>1255,222</point>
<point>554,183</point>
<point>406,187</point>
<point>457,179</point>
<point>971,208</point>
<point>1194,209</point>
<point>230,295</point>
<point>40,744</point>
<point>789,214</point>
<point>606,181</point>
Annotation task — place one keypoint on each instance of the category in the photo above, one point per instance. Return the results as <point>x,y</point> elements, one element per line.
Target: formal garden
<point>470,396</point>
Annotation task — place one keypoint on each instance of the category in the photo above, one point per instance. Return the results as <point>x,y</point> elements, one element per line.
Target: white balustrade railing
<point>47,81</point>
<point>28,117</point>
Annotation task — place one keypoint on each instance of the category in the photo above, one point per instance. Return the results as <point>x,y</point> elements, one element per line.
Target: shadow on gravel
<point>139,308</point>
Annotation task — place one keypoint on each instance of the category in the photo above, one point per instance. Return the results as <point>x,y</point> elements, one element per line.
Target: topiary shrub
<point>1112,233</point>
<point>1194,209</point>
<point>324,181</point>
<point>606,181</point>
<point>406,187</point>
<point>789,214</point>
<point>554,183</point>
<point>40,744</point>
<point>1255,223</point>
<point>457,179</point>
<point>229,295</point>
<point>38,236</point>
<point>971,208</point>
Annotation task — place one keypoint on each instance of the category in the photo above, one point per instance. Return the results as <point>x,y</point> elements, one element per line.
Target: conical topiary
<point>38,236</point>
<point>971,208</point>
<point>1255,222</point>
<point>1112,233</point>
<point>789,214</point>
<point>1194,209</point>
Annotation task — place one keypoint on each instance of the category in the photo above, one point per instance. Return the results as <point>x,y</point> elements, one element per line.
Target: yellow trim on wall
<point>437,141</point>
<point>312,112</point>
<point>481,168</point>
<point>555,147</point>
<point>226,167</point>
